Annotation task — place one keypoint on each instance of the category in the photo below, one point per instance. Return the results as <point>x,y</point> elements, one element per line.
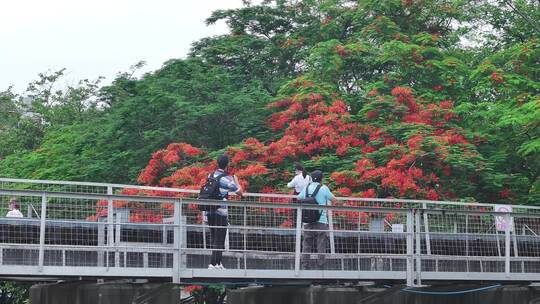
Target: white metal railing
<point>94,187</point>
<point>92,229</point>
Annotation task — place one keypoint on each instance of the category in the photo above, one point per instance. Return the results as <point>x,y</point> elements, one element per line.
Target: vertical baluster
<point>117,231</point>
<point>110,227</point>
<point>298,247</point>
<point>507,245</point>
<point>410,248</point>
<point>177,241</point>
<point>467,240</point>
<point>42,232</point>
<point>426,231</point>
<point>418,248</point>
<point>245,240</point>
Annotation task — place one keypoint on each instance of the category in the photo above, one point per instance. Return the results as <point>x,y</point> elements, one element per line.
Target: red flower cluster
<point>404,142</point>
<point>252,170</point>
<point>314,126</point>
<point>404,165</point>
<point>191,177</point>
<point>173,155</point>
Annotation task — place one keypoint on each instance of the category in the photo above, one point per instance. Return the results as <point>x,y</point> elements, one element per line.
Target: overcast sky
<point>98,37</point>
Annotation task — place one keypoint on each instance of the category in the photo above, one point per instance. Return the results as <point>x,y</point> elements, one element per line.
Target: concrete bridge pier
<point>86,292</point>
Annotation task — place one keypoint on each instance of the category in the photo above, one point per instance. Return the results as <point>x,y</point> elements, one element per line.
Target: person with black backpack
<point>217,187</point>
<point>315,221</point>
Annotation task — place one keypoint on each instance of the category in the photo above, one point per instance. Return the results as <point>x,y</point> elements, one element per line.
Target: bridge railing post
<point>298,239</point>
<point>244,235</point>
<point>418,251</point>
<point>426,229</point>
<point>332,234</point>
<point>41,254</point>
<point>508,227</point>
<point>177,241</point>
<point>410,247</point>
<point>110,229</point>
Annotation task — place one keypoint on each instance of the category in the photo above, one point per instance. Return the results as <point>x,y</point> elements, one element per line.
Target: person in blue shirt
<point>218,219</point>
<point>315,237</point>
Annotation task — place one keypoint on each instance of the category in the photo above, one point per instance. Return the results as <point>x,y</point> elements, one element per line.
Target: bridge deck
<point>103,230</point>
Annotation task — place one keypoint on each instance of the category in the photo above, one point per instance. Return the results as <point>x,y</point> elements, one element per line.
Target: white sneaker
<point>220,266</point>
<point>210,266</point>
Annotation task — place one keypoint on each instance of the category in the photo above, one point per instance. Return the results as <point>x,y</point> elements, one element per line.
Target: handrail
<point>162,199</point>
<point>268,195</point>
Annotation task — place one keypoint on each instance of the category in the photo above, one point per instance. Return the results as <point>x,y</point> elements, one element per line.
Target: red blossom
<point>327,20</point>
<point>446,104</point>
<point>407,3</point>
<point>344,191</point>
<point>191,289</point>
<point>288,223</point>
<point>372,114</point>
<point>415,141</point>
<point>252,170</point>
<point>506,193</point>
<point>372,93</point>
<point>401,91</point>
<point>438,87</point>
<point>369,193</point>
<point>496,78</point>
<point>341,51</point>
<point>448,116</point>
<point>432,195</point>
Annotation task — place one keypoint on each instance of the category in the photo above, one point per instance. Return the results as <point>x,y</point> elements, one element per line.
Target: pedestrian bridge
<point>96,230</point>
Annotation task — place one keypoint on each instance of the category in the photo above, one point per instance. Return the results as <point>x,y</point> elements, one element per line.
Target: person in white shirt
<point>300,180</point>
<point>14,209</point>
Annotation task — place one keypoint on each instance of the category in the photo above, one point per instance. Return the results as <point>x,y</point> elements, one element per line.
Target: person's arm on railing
<point>293,182</point>
<point>239,191</point>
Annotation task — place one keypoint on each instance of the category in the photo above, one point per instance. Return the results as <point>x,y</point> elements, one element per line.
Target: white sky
<point>98,37</point>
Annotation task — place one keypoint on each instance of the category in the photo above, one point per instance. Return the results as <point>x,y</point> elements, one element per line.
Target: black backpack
<point>210,191</point>
<point>310,215</point>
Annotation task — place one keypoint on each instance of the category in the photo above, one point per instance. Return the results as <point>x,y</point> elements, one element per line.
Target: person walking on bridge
<point>218,217</point>
<point>316,226</point>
